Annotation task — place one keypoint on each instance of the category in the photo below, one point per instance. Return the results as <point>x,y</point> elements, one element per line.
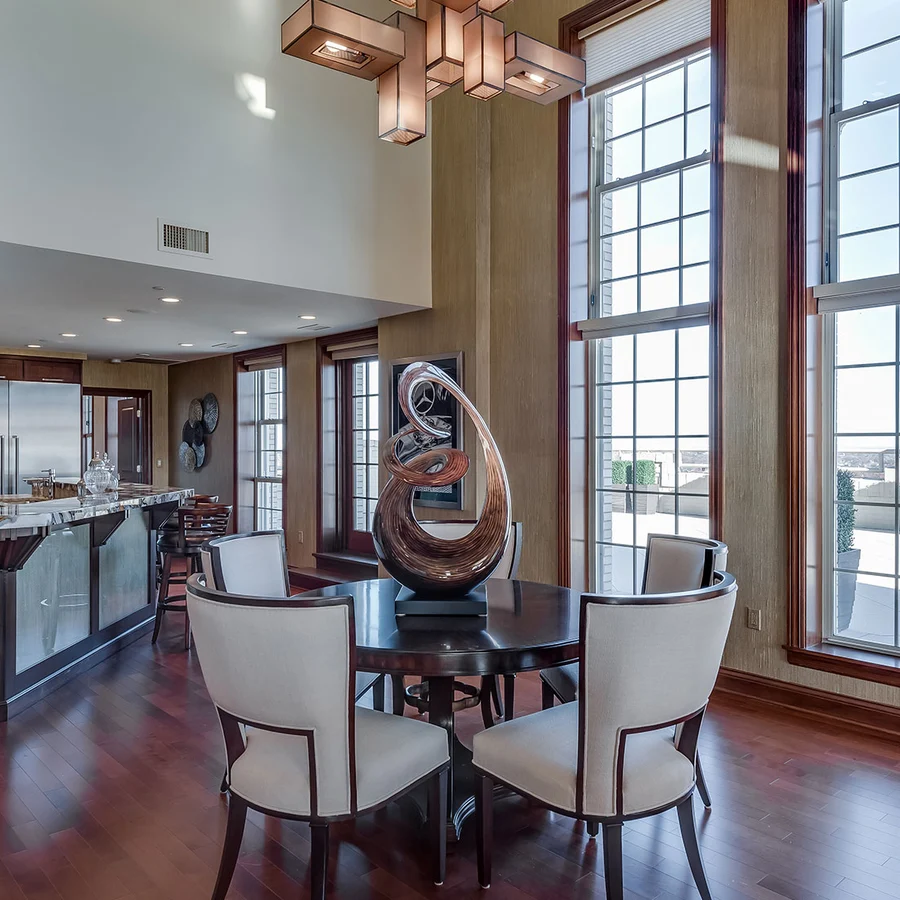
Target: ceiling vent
<point>313,328</point>
<point>224,345</point>
<point>183,239</point>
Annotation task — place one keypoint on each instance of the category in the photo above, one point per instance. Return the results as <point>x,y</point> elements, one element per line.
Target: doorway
<point>117,422</point>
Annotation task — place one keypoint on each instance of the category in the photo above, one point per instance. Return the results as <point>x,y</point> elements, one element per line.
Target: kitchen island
<point>77,583</point>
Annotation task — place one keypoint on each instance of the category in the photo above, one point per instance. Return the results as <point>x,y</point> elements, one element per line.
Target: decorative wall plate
<point>187,433</point>
<point>199,454</point>
<point>187,457</point>
<point>210,412</point>
<point>195,412</point>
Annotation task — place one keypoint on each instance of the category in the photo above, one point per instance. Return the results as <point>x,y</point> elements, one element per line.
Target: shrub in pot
<point>619,474</point>
<point>646,490</point>
<point>847,555</point>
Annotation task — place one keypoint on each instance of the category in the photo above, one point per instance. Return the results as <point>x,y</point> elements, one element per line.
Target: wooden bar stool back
<point>195,526</point>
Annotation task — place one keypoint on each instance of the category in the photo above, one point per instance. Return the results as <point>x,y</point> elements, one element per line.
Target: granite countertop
<point>18,518</point>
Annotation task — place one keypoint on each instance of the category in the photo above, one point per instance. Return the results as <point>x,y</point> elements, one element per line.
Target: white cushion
<point>538,754</point>
<point>392,753</point>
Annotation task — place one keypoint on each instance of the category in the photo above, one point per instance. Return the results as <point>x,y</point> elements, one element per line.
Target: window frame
<point>811,298</point>
<point>575,481</point>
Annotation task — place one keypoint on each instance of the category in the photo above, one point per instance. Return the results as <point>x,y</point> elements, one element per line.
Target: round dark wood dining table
<point>528,626</point>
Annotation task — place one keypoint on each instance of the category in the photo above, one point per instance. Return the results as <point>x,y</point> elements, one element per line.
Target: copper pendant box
<point>331,36</point>
<point>419,561</point>
<point>402,102</point>
<point>539,72</point>
<point>485,64</point>
<point>445,47</point>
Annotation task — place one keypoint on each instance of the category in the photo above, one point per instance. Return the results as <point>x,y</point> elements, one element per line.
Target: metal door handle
<point>57,380</point>
<point>15,484</point>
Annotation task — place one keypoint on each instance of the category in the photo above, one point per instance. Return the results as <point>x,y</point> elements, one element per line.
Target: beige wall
<point>195,379</point>
<point>139,377</point>
<point>507,327</point>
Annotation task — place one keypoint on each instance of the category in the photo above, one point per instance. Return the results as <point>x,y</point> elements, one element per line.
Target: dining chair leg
<point>702,789</point>
<point>495,695</point>
<point>437,824</point>
<point>484,827</point>
<point>161,596</point>
<point>398,695</point>
<point>509,696</point>
<point>692,847</point>
<point>593,828</point>
<point>612,861</point>
<point>234,834</point>
<point>487,696</point>
<point>318,861</point>
<point>378,694</point>
<point>187,629</point>
<point>548,698</point>
<point>223,787</point>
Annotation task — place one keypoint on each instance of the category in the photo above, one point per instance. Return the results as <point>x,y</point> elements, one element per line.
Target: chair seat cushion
<point>538,755</point>
<point>563,681</point>
<point>392,753</point>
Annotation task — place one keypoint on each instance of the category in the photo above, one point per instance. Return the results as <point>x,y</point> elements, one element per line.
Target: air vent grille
<point>183,239</point>
<point>313,328</point>
<point>152,360</point>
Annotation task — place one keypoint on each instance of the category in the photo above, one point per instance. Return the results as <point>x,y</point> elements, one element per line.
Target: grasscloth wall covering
<point>502,311</point>
<point>195,379</point>
<point>139,377</point>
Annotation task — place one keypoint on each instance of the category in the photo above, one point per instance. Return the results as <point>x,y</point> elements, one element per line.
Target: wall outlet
<point>159,464</point>
<point>299,537</point>
<point>754,619</point>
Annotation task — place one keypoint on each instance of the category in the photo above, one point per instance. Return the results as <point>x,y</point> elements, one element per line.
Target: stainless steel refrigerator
<point>40,428</point>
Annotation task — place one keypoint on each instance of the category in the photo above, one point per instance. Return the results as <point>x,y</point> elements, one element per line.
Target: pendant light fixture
<point>335,37</point>
<point>485,57</point>
<point>445,47</point>
<point>539,72</point>
<point>402,103</point>
<point>416,57</point>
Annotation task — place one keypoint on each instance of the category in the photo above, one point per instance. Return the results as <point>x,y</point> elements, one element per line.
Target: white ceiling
<point>44,293</point>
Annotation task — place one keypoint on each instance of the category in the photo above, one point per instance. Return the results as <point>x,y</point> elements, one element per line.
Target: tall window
<point>650,297</point>
<point>360,382</point>
<point>858,302</point>
<point>269,468</point>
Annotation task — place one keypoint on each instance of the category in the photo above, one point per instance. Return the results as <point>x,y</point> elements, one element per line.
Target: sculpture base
<point>409,603</point>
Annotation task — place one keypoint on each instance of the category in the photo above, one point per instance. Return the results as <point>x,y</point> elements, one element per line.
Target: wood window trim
<point>804,646</point>
<point>240,363</point>
<point>332,553</point>
<point>572,555</point>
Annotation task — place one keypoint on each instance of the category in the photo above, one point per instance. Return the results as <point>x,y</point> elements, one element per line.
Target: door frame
<point>145,397</point>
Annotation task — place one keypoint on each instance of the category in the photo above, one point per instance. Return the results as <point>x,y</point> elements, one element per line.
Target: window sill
<point>851,662</point>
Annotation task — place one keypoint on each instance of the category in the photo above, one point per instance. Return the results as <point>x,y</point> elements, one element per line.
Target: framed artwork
<point>433,403</point>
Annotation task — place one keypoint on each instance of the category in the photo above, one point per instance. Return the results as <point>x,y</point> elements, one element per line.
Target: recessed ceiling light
<point>185,345</point>
<point>171,299</point>
<point>112,319</point>
<point>68,334</point>
<point>308,318</point>
<point>33,346</point>
<point>238,332</point>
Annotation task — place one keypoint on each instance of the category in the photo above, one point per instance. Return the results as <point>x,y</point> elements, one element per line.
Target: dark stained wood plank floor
<point>108,791</point>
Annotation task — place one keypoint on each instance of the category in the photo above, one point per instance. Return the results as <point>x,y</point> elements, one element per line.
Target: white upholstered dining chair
<point>507,568</point>
<point>649,662</point>
<point>281,673</point>
<point>671,563</point>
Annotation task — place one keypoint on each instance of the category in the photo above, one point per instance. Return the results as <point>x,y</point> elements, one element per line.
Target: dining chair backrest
<point>648,662</point>
<point>674,562</point>
<point>201,523</point>
<point>287,666</point>
<point>451,530</point>
<point>254,564</point>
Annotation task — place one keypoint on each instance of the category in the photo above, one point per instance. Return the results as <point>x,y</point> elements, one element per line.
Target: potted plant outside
<point>646,490</point>
<point>847,555</point>
<point>619,470</point>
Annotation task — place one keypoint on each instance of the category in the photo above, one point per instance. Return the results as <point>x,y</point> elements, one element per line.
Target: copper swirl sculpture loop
<point>411,555</point>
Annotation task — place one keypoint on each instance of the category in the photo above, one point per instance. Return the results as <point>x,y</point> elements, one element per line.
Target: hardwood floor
<point>109,791</point>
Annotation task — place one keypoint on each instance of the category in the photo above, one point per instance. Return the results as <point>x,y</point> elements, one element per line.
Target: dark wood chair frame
<point>190,552</point>
<point>233,731</point>
<point>489,695</point>
<point>549,695</point>
<point>376,685</point>
<point>612,825</point>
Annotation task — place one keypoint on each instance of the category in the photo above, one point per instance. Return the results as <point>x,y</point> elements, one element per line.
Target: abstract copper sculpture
<point>418,560</point>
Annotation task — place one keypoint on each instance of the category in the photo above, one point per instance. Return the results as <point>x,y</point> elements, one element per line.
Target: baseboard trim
<point>822,706</point>
<point>31,695</point>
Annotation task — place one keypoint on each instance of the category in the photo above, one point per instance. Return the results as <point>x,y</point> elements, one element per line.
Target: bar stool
<point>194,527</point>
<point>170,526</point>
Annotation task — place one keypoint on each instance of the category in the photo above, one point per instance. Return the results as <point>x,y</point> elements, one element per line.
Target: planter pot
<point>617,502</point>
<point>846,589</point>
<point>646,500</point>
